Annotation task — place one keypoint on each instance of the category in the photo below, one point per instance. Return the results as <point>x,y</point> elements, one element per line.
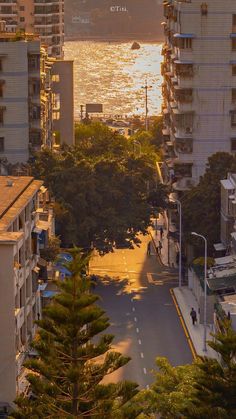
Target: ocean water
<point>114,75</point>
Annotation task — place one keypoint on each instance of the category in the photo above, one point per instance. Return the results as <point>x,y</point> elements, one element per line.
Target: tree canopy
<point>100,187</point>
<point>201,205</point>
<point>74,355</point>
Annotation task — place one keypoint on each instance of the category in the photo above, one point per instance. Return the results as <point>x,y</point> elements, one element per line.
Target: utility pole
<point>146,87</point>
<point>81,112</point>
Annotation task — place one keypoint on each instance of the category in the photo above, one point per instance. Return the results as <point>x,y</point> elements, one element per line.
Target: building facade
<point>199,88</point>
<point>24,215</point>
<point>42,17</point>
<point>25,97</point>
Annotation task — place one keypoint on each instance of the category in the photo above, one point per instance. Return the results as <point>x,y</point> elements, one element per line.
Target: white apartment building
<point>25,97</point>
<point>42,17</point>
<point>19,289</point>
<point>199,88</point>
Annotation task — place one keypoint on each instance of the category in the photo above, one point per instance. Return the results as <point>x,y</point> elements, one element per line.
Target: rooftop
<point>15,193</point>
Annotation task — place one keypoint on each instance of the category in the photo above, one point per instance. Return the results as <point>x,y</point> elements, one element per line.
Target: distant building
<point>25,97</point>
<point>45,18</point>
<point>24,215</point>
<point>199,88</point>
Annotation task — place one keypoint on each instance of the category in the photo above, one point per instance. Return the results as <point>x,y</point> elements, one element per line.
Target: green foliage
<point>66,381</point>
<point>205,389</point>
<point>100,187</point>
<point>51,250</point>
<point>205,218</point>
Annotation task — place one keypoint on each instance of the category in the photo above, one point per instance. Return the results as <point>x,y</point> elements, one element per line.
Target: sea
<point>114,75</point>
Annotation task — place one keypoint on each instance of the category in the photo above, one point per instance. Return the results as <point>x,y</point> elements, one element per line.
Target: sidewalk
<point>156,237</point>
<point>185,301</point>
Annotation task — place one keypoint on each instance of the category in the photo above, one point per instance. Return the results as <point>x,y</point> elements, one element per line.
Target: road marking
<point>139,341</point>
<point>145,371</point>
<point>135,319</point>
<point>189,340</point>
<point>137,330</point>
<point>142,356</point>
<point>133,308</point>
<point>168,305</point>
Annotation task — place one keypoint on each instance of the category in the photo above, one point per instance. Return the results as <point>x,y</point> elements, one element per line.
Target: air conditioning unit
<point>189,130</point>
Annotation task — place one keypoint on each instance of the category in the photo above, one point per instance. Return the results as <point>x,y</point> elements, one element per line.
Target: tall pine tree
<point>74,357</point>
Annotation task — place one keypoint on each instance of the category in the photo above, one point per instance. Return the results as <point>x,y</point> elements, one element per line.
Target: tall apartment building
<point>42,17</point>
<point>25,97</point>
<point>20,306</point>
<point>199,89</point>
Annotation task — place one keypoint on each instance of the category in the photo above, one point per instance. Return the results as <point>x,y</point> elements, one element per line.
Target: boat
<point>135,45</point>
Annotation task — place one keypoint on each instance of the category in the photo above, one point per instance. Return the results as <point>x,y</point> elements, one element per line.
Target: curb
<point>182,321</point>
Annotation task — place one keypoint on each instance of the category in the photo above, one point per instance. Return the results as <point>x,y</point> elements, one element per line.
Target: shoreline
<point>113,39</point>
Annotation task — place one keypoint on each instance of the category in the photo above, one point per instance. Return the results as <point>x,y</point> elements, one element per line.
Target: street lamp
<point>205,291</point>
<point>146,87</point>
<point>180,239</point>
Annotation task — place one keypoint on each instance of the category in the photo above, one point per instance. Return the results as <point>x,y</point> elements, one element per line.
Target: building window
<point>2,109</point>
<point>233,145</point>
<point>22,8</point>
<point>0,65</point>
<point>234,70</point>
<point>233,95</point>
<point>22,19</point>
<point>233,118</point>
<point>234,23</point>
<point>183,43</point>
<point>2,144</point>
<point>233,44</point>
<point>56,78</point>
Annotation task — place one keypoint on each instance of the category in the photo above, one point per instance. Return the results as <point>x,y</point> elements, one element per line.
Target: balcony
<point>183,145</point>
<point>19,317</point>
<point>183,95</point>
<point>184,69</point>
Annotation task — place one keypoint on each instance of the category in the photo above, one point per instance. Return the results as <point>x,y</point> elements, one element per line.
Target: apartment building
<point>24,215</point>
<point>25,97</point>
<point>199,88</point>
<point>42,17</point>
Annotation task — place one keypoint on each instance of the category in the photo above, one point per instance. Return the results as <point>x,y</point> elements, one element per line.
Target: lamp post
<point>205,291</point>
<point>146,87</point>
<point>180,239</point>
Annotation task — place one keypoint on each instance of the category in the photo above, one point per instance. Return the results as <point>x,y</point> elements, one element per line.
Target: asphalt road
<point>135,292</point>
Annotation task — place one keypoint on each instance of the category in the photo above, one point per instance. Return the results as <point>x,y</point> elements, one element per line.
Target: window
<point>234,70</point>
<point>22,8</point>
<point>0,65</point>
<point>233,95</point>
<point>56,78</point>
<point>183,43</point>
<point>234,23</point>
<point>2,144</point>
<point>22,19</point>
<point>2,109</point>
<point>233,145</point>
<point>233,44</point>
<point>233,118</point>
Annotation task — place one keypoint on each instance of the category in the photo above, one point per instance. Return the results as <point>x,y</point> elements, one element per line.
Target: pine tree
<point>74,357</point>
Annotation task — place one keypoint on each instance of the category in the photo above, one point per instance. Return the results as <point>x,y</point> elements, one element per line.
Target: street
<point>135,292</point>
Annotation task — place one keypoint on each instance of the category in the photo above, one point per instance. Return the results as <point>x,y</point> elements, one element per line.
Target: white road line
<point>137,330</point>
<point>135,319</point>
<point>142,356</point>
<point>133,308</point>
<point>145,371</point>
<point>139,342</point>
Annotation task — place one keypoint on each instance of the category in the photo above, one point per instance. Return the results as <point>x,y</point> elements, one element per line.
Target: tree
<point>73,358</point>
<point>205,389</point>
<point>205,218</point>
<point>101,189</point>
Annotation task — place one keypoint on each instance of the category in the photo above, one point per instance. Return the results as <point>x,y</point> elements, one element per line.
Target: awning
<point>42,225</point>
<point>226,183</point>
<point>184,35</point>
<point>49,294</point>
<point>217,284</point>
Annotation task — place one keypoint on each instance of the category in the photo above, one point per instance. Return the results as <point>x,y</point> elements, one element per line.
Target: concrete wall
<point>64,87</point>
<point>7,325</point>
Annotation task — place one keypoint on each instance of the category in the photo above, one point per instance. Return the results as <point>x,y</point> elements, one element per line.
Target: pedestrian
<point>149,248</point>
<point>159,247</point>
<point>193,315</point>
<point>161,232</point>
